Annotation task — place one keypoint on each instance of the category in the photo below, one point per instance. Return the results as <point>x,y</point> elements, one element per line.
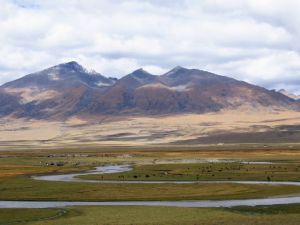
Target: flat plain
<point>243,126</point>
<point>224,146</point>
<point>163,163</point>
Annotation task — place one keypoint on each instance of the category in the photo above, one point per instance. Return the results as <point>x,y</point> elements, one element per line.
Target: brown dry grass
<point>141,131</point>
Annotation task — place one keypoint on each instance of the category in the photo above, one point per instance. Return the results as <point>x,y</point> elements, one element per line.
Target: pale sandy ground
<point>136,131</point>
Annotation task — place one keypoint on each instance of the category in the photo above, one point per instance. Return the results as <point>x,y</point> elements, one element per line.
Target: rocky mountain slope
<point>289,94</point>
<point>69,90</point>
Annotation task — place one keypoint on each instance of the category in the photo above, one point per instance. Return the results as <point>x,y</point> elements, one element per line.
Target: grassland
<point>25,216</point>
<point>17,166</point>
<point>166,148</point>
<point>281,215</point>
<point>24,188</point>
<point>247,126</point>
<point>207,172</point>
<point>165,163</point>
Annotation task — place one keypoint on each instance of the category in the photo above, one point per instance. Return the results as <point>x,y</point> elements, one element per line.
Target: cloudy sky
<point>252,40</point>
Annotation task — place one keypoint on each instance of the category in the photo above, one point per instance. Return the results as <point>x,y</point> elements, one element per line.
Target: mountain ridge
<point>289,94</point>
<point>68,89</point>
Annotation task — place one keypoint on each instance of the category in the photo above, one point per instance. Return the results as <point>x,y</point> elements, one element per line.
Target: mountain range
<point>289,94</point>
<point>68,89</point>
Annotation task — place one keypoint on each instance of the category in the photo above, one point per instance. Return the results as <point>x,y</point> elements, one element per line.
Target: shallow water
<point>72,176</point>
<point>195,204</point>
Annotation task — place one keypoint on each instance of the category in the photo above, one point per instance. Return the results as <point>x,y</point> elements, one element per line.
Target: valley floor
<point>17,166</point>
<point>226,127</point>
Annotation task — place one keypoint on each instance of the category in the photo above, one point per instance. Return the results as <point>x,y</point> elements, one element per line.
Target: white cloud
<point>253,40</point>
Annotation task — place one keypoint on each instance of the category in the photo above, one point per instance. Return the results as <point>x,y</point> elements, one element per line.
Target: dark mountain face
<point>62,76</point>
<point>136,79</point>
<point>191,90</point>
<point>9,104</point>
<point>59,91</point>
<point>68,89</point>
<point>183,76</point>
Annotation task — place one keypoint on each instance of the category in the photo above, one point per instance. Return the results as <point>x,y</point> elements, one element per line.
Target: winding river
<point>123,168</point>
<point>72,177</point>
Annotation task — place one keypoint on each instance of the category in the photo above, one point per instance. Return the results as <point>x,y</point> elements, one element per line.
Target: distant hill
<point>289,94</point>
<point>68,89</point>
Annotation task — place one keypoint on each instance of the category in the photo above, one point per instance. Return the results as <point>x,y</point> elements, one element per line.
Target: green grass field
<point>25,216</point>
<point>207,171</point>
<point>134,215</point>
<point>24,188</point>
<point>16,167</point>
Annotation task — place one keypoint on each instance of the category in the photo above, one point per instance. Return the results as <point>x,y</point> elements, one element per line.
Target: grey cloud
<point>251,40</point>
